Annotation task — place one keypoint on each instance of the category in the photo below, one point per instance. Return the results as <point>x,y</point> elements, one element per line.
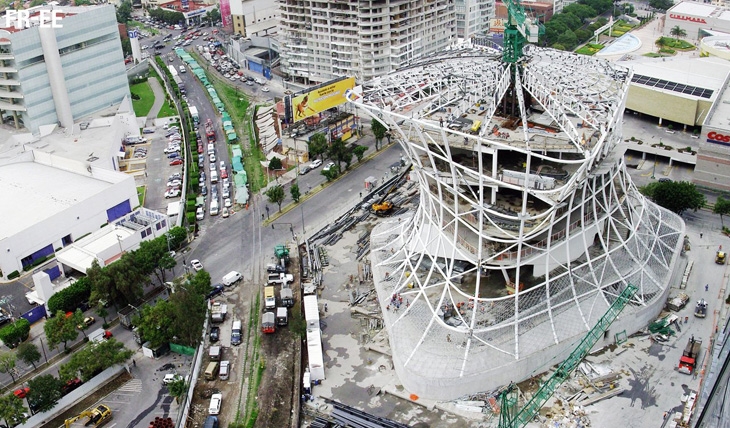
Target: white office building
<point>322,41</point>
<point>58,75</point>
<point>254,17</point>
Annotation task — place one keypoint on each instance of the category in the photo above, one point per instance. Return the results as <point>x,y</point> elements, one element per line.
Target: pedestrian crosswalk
<point>126,393</point>
<point>133,386</point>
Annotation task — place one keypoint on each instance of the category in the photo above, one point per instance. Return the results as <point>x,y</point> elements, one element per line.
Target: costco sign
<point>717,138</point>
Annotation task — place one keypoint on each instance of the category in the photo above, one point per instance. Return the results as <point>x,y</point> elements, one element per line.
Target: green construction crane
<point>519,29</point>
<point>510,417</point>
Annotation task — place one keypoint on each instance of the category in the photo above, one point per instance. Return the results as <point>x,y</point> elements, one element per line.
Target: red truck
<point>690,357</point>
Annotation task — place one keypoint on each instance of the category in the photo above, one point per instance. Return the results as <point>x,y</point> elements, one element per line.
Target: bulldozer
<point>381,208</point>
<point>98,416</point>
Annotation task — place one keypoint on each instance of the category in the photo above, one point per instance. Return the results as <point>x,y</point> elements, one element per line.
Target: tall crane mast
<point>519,29</point>
<point>510,417</point>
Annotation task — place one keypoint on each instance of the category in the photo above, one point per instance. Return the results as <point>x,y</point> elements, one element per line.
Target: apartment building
<point>323,40</point>
<point>57,75</point>
<point>254,17</point>
<point>473,17</point>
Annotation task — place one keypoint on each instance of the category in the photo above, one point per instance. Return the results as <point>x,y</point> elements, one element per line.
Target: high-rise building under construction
<point>528,225</point>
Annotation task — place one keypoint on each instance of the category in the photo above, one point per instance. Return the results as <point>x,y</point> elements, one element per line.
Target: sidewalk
<point>159,101</point>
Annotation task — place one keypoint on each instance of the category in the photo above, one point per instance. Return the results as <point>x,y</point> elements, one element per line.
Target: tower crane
<point>519,29</point>
<point>510,417</point>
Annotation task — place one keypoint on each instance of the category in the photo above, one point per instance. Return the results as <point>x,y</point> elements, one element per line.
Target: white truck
<point>218,312</point>
<point>194,114</point>
<point>99,335</point>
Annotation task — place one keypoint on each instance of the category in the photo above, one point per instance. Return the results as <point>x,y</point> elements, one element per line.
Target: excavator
<point>97,416</point>
<point>383,207</point>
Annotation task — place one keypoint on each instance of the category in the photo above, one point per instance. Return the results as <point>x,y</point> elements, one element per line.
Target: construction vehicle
<point>511,417</point>
<point>720,256</point>
<point>97,416</point>
<point>678,302</point>
<point>701,308</point>
<point>688,360</point>
<point>383,207</point>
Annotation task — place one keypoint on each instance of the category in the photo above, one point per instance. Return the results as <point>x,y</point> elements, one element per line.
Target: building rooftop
<point>178,6</point>
<point>39,186</point>
<point>695,9</point>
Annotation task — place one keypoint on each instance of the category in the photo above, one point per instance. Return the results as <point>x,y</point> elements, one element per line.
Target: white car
<point>315,163</point>
<point>328,166</point>
<point>170,378</point>
<point>259,81</point>
<point>196,265</point>
<point>172,193</point>
<point>199,213</point>
<point>215,404</point>
<point>225,213</point>
<point>227,203</point>
<point>265,89</point>
<point>172,149</point>
<point>212,159</point>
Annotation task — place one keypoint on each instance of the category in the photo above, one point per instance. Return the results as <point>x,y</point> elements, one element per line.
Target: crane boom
<point>511,419</point>
<point>519,29</point>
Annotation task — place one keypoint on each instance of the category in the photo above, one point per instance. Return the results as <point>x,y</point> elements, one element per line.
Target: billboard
<point>225,10</point>
<point>319,99</point>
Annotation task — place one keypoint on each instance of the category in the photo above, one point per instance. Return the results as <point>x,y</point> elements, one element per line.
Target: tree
<point>60,329</point>
<point>379,131</point>
<point>28,353</point>
<point>295,193</point>
<point>126,47</point>
<point>275,164</point>
<point>102,312</point>
<point>45,391</point>
<point>102,286</point>
<point>213,16</point>
<point>78,321</point>
<point>178,236</point>
<point>124,12</point>
<point>7,364</point>
<point>331,173</point>
<point>11,409</point>
<point>317,145</point>
<point>189,309</point>
<point>127,278</point>
<point>70,298</point>
<point>676,196</point>
<point>14,333</point>
<point>155,323</point>
<point>152,257</point>
<point>661,4</point>
<point>339,152</point>
<point>359,152</point>
<point>677,32</point>
<point>275,195</point>
<point>177,389</point>
<point>568,39</point>
<point>94,358</point>
<point>722,207</point>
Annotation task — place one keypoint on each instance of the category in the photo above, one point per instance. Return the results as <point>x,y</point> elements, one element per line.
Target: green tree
<point>70,298</point>
<point>317,145</point>
<point>676,196</point>
<point>7,364</point>
<point>102,285</point>
<point>178,237</point>
<point>152,257</point>
<point>45,391</point>
<point>568,39</point>
<point>359,152</point>
<point>78,321</point>
<point>275,164</point>
<point>60,329</point>
<point>126,47</point>
<point>722,207</point>
<point>295,193</point>
<point>275,195</point>
<point>189,309</point>
<point>677,32</point>
<point>332,173</point>
<point>92,359</point>
<point>213,16</point>
<point>124,12</point>
<point>28,353</point>
<point>379,131</point>
<point>102,312</point>
<point>11,409</point>
<point>177,389</point>
<point>582,11</point>
<point>127,278</point>
<point>16,332</point>
<point>155,323</point>
<point>661,4</point>
<point>339,152</point>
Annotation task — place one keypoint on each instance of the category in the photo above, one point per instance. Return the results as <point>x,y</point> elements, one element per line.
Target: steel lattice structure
<point>535,197</point>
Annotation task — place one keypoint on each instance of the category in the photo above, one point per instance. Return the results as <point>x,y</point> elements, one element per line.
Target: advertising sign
<point>225,13</point>
<point>320,99</point>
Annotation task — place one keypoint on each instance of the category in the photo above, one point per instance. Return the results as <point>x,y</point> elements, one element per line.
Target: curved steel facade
<point>528,225</point>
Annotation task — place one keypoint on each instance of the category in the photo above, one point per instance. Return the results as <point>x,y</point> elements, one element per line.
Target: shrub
<point>68,299</point>
<point>190,218</point>
<point>14,274</point>
<point>13,334</point>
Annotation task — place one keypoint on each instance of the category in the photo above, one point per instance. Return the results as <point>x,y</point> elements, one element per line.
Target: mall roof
<point>694,9</point>
<point>698,78</point>
<point>38,186</point>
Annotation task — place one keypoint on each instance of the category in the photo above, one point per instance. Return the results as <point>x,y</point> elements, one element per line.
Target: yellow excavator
<point>98,416</point>
<point>383,207</point>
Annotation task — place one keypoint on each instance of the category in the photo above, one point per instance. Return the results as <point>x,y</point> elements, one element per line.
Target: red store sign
<point>687,18</point>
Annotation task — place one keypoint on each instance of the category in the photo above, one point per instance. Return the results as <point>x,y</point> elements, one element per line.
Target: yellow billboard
<point>320,99</point>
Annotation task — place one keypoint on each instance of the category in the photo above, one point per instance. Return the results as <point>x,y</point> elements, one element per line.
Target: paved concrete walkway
<point>159,100</point>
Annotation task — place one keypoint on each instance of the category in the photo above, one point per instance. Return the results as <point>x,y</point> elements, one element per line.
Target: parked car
<point>172,193</point>
<point>227,203</point>
<point>265,89</point>
<point>224,174</point>
<point>328,166</point>
<point>21,392</point>
<point>315,163</point>
<point>215,290</point>
<point>204,190</point>
<point>173,155</point>
<point>215,333</point>
<point>70,385</point>
<point>171,149</point>
<point>170,378</point>
<point>225,213</point>
<point>199,213</point>
<point>175,162</point>
<point>215,404</point>
<point>195,263</point>
<point>304,169</point>
<point>86,323</point>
